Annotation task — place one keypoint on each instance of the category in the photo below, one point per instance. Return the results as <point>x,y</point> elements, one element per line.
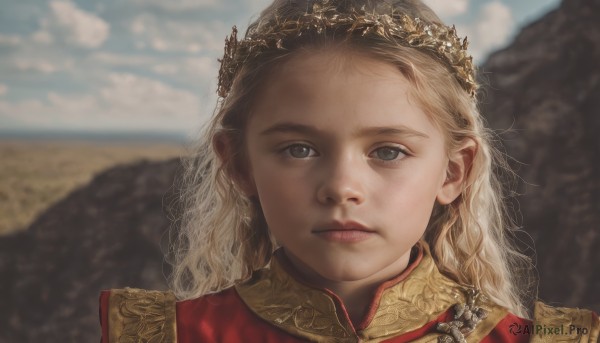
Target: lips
<point>344,232</point>
<point>343,226</point>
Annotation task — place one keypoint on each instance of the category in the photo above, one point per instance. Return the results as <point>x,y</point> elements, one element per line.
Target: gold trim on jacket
<point>404,305</point>
<point>570,323</point>
<point>137,315</point>
<point>311,313</point>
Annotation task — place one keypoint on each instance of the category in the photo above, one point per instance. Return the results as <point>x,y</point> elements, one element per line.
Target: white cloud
<point>35,65</point>
<point>178,5</point>
<point>31,58</point>
<point>9,39</point>
<point>255,6</point>
<point>75,107</point>
<point>199,68</point>
<point>491,30</point>
<point>43,37</point>
<point>194,72</point>
<point>81,28</point>
<point>126,101</point>
<point>448,8</point>
<point>122,60</point>
<point>166,69</point>
<point>26,112</point>
<point>3,89</point>
<point>129,94</point>
<point>170,35</point>
<point>496,23</point>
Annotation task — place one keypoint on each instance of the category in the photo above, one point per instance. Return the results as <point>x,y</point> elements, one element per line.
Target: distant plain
<point>34,174</point>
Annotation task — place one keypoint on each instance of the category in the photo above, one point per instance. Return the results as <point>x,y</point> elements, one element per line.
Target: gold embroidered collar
<point>414,298</point>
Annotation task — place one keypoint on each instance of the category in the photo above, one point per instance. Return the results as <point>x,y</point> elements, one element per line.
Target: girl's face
<point>335,138</point>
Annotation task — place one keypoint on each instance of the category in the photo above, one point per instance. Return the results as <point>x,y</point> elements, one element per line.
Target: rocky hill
<point>108,234</point>
<point>544,93</point>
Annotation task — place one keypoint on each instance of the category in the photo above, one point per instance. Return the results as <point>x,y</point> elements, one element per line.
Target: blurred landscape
<point>36,173</point>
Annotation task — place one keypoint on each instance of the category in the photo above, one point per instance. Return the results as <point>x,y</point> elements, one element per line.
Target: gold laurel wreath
<point>437,40</point>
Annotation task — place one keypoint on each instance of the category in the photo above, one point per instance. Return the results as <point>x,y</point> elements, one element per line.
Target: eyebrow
<point>289,127</point>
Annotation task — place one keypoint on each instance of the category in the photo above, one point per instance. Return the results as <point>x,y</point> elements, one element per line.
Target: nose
<point>342,182</point>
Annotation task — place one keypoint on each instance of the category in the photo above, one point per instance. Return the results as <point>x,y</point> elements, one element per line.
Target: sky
<point>151,65</point>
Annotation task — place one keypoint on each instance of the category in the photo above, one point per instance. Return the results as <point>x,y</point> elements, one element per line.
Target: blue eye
<point>389,153</point>
<point>298,150</point>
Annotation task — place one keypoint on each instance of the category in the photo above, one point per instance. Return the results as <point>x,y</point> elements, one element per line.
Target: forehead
<point>324,87</point>
<point>339,61</point>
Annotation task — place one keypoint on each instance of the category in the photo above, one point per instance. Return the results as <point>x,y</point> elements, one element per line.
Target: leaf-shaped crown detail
<point>439,41</point>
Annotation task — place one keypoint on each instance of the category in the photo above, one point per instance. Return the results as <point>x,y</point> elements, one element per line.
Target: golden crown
<point>438,40</point>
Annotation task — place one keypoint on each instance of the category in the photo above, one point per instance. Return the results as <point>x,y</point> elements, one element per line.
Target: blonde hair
<point>223,236</point>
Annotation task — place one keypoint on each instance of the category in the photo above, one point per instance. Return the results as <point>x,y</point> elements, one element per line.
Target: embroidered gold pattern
<point>439,40</point>
<point>565,318</point>
<point>420,298</point>
<point>311,314</point>
<point>140,316</point>
<point>274,296</point>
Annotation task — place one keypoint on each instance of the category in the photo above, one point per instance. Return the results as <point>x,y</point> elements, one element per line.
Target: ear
<point>236,166</point>
<point>459,166</point>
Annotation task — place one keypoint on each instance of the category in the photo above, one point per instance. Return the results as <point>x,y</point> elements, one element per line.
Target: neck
<point>356,295</point>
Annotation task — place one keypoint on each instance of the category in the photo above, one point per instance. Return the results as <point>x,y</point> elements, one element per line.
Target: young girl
<point>344,192</point>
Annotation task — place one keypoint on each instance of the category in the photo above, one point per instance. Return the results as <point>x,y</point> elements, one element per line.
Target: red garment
<point>257,310</point>
<point>223,317</point>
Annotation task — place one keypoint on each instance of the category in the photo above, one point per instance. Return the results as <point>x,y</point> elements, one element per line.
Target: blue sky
<point>151,65</point>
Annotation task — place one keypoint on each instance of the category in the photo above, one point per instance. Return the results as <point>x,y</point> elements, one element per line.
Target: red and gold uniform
<point>419,305</point>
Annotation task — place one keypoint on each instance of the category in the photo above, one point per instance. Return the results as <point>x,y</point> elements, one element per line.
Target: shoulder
<point>549,324</point>
<point>570,324</point>
<point>213,307</point>
<point>137,315</point>
<point>132,314</point>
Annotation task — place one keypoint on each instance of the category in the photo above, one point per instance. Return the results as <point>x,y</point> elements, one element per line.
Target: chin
<point>337,273</point>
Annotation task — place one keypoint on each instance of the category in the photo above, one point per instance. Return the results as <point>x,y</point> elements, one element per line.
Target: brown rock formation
<point>107,234</point>
<point>545,88</point>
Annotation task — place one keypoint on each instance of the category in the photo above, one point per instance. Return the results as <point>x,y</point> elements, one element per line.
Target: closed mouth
<point>336,226</point>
